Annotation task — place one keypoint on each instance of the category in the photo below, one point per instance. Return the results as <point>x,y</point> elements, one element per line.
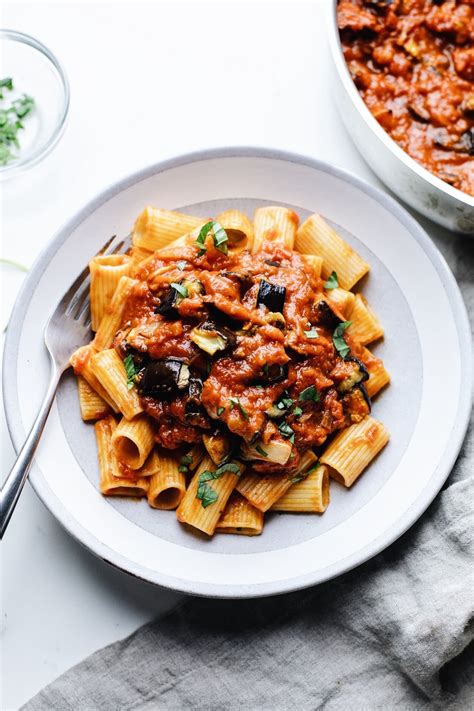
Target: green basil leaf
<point>227,467</point>
<point>309,395</point>
<point>297,411</point>
<point>180,289</point>
<point>131,371</point>
<point>338,339</point>
<point>204,231</point>
<point>206,494</point>
<point>220,410</point>
<point>286,430</point>
<point>235,401</point>
<point>220,238</point>
<point>332,282</point>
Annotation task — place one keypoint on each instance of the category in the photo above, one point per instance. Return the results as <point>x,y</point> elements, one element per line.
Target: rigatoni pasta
<point>240,517</point>
<point>352,450</point>
<point>203,504</point>
<point>109,370</point>
<point>274,224</point>
<point>167,484</point>
<point>315,236</point>
<point>133,441</point>
<point>106,272</point>
<point>114,478</point>
<point>228,376</point>
<point>93,406</point>
<point>155,228</point>
<point>308,494</point>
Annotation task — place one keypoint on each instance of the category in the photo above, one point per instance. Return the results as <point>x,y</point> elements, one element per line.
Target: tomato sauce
<point>277,374</point>
<point>413,63</point>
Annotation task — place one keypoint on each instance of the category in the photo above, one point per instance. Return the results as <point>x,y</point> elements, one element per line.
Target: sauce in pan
<point>413,63</point>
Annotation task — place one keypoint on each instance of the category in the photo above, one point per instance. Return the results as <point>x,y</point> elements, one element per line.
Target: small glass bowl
<point>35,71</point>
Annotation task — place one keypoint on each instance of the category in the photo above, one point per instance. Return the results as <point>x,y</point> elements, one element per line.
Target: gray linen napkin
<point>389,634</point>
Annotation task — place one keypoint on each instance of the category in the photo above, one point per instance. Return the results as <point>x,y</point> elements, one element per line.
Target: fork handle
<point>15,481</point>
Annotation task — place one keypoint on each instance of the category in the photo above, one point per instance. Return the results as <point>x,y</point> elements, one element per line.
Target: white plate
<point>427,351</point>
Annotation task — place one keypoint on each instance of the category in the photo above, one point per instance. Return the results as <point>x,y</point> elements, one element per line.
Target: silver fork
<point>66,330</point>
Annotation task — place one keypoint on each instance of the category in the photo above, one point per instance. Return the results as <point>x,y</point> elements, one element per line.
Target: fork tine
<point>84,313</point>
<point>65,301</point>
<point>77,301</point>
<point>118,247</point>
<point>106,246</point>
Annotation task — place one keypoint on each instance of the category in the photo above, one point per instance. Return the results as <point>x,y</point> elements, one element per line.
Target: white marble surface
<point>148,81</point>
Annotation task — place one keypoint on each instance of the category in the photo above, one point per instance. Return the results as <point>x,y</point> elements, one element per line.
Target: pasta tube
<point>378,376</point>
<point>204,512</point>
<point>315,262</point>
<point>113,314</point>
<point>167,485</point>
<point>155,228</point>
<point>93,406</point>
<point>365,326</point>
<point>217,446</point>
<point>109,370</point>
<point>342,299</point>
<point>274,224</point>
<point>106,272</point>
<point>311,494</point>
<point>81,362</point>
<point>239,229</point>
<point>263,490</point>
<point>111,481</point>
<point>240,517</point>
<point>315,236</point>
<point>353,449</point>
<point>133,441</point>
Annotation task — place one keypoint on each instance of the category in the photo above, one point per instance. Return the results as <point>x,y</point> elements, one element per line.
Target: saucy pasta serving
<point>229,373</point>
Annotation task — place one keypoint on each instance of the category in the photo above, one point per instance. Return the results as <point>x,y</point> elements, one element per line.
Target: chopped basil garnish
<point>180,289</point>
<point>338,339</point>
<point>131,371</point>
<point>332,282</point>
<point>302,476</point>
<point>219,236</point>
<point>235,401</point>
<point>284,402</point>
<point>298,478</point>
<point>286,430</point>
<point>220,410</point>
<point>261,451</point>
<point>184,463</point>
<point>297,411</point>
<point>182,264</point>
<point>205,492</point>
<point>309,395</point>
<point>10,121</point>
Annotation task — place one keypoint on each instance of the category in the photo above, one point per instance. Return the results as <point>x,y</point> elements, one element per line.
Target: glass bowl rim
<point>21,164</point>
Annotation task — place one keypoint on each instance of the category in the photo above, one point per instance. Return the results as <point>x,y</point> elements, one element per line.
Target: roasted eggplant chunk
<point>271,295</point>
<point>359,374</point>
<point>326,315</point>
<point>162,378</point>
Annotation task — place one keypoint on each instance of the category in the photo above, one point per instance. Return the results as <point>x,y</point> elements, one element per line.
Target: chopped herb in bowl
<point>12,114</point>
